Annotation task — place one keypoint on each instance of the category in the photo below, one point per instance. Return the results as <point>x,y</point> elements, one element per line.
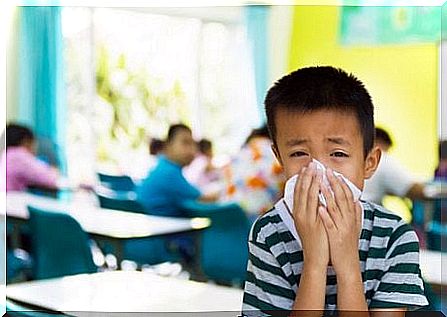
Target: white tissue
<point>290,187</point>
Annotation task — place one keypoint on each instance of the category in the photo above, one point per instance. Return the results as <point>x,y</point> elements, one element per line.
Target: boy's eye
<point>298,154</point>
<point>339,154</point>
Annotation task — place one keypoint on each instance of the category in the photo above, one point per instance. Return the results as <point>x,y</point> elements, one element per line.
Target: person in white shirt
<point>390,178</point>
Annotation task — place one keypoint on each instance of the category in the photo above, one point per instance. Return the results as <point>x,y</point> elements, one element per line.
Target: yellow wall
<point>402,80</point>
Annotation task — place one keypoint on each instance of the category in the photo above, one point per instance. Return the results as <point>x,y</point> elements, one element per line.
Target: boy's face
<point>331,137</point>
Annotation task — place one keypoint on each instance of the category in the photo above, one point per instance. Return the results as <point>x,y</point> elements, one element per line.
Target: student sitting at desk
<point>390,177</point>
<point>165,188</point>
<point>23,169</point>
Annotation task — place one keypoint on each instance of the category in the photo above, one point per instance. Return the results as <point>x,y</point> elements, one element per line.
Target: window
<point>133,72</point>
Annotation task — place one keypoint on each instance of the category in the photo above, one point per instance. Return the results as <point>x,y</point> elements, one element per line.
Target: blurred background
<point>96,84</point>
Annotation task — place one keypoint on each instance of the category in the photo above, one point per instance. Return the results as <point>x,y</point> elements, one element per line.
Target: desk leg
<point>196,269</point>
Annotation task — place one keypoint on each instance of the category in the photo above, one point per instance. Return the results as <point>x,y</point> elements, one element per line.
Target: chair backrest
<point>224,246</point>
<point>125,201</point>
<point>59,245</point>
<point>114,182</point>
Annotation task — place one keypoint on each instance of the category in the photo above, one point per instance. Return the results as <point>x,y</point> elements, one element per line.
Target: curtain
<point>257,27</point>
<point>41,85</point>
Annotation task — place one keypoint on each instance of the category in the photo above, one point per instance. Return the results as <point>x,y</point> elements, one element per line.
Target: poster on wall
<point>366,25</point>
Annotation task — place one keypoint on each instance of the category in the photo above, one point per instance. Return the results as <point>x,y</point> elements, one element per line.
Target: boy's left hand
<point>342,220</point>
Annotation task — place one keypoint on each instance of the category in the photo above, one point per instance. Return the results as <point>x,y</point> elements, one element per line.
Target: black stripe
<point>271,288</point>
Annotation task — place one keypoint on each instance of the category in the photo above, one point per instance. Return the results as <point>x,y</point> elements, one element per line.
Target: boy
<point>344,255</point>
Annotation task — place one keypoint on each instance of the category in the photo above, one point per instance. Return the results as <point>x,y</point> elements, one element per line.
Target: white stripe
<point>267,277</point>
<point>263,255</point>
<point>402,278</point>
<point>402,298</point>
<point>277,301</point>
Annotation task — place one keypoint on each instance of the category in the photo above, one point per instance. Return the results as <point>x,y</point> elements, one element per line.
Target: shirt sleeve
<point>184,190</point>
<point>401,284</point>
<point>396,179</point>
<point>267,288</point>
<point>36,172</point>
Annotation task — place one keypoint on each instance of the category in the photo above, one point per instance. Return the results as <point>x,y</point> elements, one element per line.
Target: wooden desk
<point>122,291</point>
<point>110,225</point>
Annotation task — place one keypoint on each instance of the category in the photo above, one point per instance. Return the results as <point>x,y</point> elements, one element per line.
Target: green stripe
<point>366,234</point>
<point>266,267</point>
<point>381,304</point>
<point>372,275</point>
<point>382,232</point>
<point>257,303</point>
<point>377,253</point>
<point>276,238</point>
<point>404,268</point>
<point>271,288</point>
<point>263,222</point>
<point>405,248</point>
<point>386,215</point>
<point>400,288</point>
<point>398,232</point>
<point>368,214</point>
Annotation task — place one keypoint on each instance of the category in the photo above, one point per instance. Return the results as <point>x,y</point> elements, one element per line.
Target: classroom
<point>228,158</point>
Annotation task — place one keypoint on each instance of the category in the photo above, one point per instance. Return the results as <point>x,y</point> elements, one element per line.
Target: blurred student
<point>390,178</point>
<point>165,188</point>
<point>201,172</point>
<point>441,170</point>
<point>156,147</point>
<point>254,177</point>
<point>23,169</point>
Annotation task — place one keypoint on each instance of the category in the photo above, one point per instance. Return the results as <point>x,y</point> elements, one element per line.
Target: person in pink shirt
<point>23,169</point>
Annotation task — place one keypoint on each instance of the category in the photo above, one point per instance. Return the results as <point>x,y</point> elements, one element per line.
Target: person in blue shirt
<point>165,188</point>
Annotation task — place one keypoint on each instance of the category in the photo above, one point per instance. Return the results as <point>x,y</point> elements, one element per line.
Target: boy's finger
<point>312,200</point>
<point>331,205</point>
<point>302,188</point>
<point>328,223</point>
<point>336,186</point>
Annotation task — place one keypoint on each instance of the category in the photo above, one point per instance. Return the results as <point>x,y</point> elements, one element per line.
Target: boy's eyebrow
<point>339,141</point>
<point>294,142</point>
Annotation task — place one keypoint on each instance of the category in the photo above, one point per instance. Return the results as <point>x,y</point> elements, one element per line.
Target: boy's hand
<point>308,224</point>
<point>342,221</point>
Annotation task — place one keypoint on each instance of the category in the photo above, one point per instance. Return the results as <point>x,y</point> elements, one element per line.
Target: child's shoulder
<point>268,225</point>
<point>386,226</point>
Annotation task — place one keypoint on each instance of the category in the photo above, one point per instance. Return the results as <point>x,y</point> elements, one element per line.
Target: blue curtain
<point>41,84</point>
<point>257,27</point>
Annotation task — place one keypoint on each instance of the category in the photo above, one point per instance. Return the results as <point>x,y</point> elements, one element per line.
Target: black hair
<point>156,146</point>
<point>317,88</point>
<point>174,129</point>
<point>443,150</point>
<point>259,132</point>
<point>384,137</point>
<point>204,145</point>
<point>17,134</point>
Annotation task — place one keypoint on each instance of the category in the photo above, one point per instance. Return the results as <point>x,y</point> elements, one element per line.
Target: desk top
<point>104,222</point>
<point>125,291</point>
<point>431,263</point>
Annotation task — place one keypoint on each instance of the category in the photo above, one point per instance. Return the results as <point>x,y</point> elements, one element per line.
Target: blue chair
<point>125,201</point>
<point>224,246</point>
<point>59,245</point>
<point>119,183</point>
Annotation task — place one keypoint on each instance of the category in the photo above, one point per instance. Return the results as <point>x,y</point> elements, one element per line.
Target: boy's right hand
<point>307,221</point>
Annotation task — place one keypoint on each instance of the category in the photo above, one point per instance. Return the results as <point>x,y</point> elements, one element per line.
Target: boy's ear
<point>372,161</point>
<point>276,152</point>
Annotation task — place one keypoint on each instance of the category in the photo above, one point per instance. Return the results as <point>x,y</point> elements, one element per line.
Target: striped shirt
<point>389,262</point>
